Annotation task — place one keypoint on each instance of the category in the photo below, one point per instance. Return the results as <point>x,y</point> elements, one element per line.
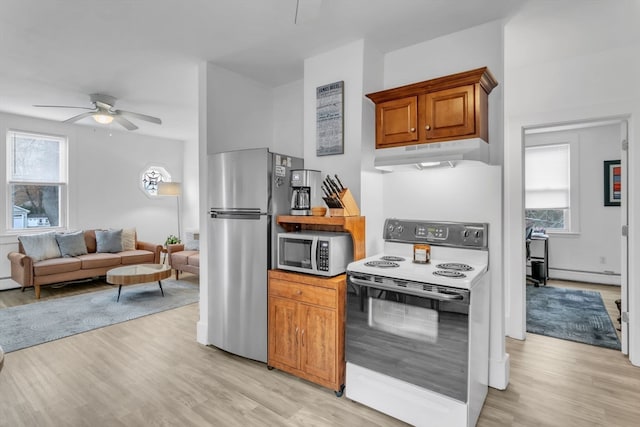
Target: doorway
<point>566,208</point>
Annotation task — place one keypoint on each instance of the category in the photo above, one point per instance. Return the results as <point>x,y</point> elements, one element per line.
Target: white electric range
<point>417,342</point>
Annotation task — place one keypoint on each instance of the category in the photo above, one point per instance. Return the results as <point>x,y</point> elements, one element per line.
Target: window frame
<point>62,183</point>
<point>555,138</point>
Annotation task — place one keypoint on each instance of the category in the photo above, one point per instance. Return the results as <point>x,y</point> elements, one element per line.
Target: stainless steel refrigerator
<point>248,189</point>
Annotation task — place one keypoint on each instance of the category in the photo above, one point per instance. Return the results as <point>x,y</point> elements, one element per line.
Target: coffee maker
<point>305,186</point>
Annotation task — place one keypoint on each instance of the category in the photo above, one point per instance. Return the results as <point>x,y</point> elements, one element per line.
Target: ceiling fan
<point>103,112</point>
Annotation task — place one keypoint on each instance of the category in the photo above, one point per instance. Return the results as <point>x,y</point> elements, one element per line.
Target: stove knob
<point>390,228</point>
<point>465,233</point>
<point>478,234</point>
<point>400,229</point>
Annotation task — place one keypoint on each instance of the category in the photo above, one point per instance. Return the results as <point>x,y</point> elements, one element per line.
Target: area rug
<point>570,314</point>
<point>31,324</point>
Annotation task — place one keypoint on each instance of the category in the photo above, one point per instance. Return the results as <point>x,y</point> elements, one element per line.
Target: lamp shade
<point>169,188</point>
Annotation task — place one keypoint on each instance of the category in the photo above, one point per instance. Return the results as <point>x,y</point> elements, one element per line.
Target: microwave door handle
<point>314,254</point>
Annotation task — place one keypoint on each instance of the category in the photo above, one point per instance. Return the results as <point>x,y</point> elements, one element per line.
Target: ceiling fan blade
<point>63,106</point>
<point>124,122</point>
<point>78,117</point>
<point>140,116</point>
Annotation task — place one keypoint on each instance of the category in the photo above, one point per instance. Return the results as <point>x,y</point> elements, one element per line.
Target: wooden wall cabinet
<point>442,109</point>
<point>306,327</point>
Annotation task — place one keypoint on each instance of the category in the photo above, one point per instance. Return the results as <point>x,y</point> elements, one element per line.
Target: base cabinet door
<point>306,327</point>
<point>283,331</point>
<point>318,342</point>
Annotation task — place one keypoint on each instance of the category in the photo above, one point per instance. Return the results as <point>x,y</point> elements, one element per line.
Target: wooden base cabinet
<point>306,327</point>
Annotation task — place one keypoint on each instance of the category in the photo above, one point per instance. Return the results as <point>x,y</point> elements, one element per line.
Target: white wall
<point>105,164</point>
<point>288,119</point>
<point>372,191</point>
<point>434,194</point>
<point>592,251</point>
<point>240,112</point>
<point>570,61</point>
<point>343,64</point>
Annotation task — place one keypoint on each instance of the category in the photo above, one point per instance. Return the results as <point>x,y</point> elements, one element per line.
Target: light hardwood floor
<point>151,371</point>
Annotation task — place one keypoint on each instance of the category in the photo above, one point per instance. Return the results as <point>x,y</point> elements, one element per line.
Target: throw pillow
<point>109,241</point>
<point>40,246</point>
<point>193,241</point>
<point>128,239</point>
<point>72,244</point>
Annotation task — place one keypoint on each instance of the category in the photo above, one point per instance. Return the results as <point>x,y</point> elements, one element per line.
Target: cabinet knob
<point>298,292</point>
<point>428,127</point>
<point>412,129</point>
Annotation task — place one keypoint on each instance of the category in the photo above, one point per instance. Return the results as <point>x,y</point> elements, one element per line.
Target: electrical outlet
<point>603,260</point>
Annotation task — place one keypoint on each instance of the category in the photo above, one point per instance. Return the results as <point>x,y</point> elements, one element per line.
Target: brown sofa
<point>183,260</point>
<point>56,270</point>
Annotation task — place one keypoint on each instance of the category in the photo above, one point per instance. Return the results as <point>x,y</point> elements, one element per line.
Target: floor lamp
<point>171,189</point>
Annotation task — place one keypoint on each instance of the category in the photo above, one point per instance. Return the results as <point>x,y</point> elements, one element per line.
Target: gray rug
<point>27,325</point>
<point>570,314</point>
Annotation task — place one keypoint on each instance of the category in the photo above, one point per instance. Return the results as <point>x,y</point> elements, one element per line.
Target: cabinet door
<point>283,331</point>
<point>397,122</point>
<point>318,342</point>
<point>449,113</point>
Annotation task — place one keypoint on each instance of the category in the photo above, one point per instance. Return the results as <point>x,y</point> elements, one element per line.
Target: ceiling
<point>146,52</point>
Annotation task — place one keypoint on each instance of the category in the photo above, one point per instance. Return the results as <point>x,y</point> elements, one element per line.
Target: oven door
<point>418,334</point>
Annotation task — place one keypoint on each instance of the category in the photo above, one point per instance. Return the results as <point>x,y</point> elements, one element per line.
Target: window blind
<point>547,177</point>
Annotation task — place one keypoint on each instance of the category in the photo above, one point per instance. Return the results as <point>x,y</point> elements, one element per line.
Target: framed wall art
<point>329,119</point>
<point>612,183</point>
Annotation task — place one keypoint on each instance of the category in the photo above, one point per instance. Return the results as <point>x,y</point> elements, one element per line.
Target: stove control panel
<point>455,234</point>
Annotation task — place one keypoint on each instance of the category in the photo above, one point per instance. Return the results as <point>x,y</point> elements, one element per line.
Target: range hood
<point>445,152</point>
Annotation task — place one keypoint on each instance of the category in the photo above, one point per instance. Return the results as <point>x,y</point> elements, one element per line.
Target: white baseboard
<point>202,332</point>
<point>579,276</point>
<point>8,283</point>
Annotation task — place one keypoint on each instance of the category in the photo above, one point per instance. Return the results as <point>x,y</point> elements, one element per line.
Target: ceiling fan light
<point>104,119</point>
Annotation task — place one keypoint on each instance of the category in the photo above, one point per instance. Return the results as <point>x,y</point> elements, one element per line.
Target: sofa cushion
<point>55,266</point>
<point>99,260</point>
<point>90,240</point>
<point>128,239</point>
<point>40,246</point>
<point>194,260</point>
<point>71,244</point>
<point>109,241</point>
<point>137,257</point>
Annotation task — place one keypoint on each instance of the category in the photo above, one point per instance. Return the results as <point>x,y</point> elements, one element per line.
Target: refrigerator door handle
<point>241,213</point>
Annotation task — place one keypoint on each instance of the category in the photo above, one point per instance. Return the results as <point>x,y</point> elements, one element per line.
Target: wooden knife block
<point>349,203</point>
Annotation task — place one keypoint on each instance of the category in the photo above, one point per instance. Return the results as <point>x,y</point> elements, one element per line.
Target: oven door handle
<point>409,291</point>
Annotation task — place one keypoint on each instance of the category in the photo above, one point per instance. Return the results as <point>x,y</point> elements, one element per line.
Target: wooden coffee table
<point>138,273</point>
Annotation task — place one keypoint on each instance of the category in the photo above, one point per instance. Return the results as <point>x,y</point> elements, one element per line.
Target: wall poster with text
<point>329,119</point>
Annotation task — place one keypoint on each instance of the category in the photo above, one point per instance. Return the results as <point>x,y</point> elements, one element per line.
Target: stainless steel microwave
<point>323,253</point>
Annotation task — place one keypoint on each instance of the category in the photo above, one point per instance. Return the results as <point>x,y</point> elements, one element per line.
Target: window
<point>37,180</point>
<point>548,187</point>
<point>151,177</point>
